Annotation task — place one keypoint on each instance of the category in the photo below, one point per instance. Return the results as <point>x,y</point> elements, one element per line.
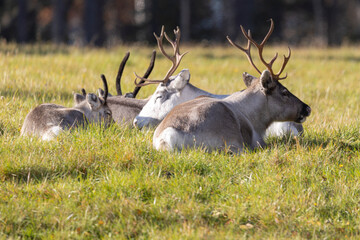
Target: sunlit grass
<point>103,183</point>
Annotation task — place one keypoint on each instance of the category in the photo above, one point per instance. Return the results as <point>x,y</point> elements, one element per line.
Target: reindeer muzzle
<point>305,112</point>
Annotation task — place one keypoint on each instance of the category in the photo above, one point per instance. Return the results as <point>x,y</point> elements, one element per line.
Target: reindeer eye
<point>285,93</point>
<point>94,98</point>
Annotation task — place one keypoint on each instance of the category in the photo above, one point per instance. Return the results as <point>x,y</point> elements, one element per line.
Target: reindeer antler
<point>146,75</point>
<point>83,92</point>
<point>105,87</point>
<point>260,48</point>
<point>246,50</point>
<point>120,72</point>
<point>175,59</point>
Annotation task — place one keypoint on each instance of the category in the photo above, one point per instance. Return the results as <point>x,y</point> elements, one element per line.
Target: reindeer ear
<point>101,93</point>
<point>78,98</point>
<point>93,101</point>
<point>248,79</point>
<point>180,80</point>
<point>267,81</point>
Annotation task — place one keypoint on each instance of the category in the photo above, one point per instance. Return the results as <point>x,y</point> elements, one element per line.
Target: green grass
<point>111,183</point>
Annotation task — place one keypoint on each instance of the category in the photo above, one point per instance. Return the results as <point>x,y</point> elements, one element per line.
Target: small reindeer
<point>177,89</point>
<point>235,122</point>
<point>48,120</point>
<point>125,108</point>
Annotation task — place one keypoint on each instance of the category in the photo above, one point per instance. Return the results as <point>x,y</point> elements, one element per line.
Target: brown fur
<point>124,110</point>
<point>37,121</point>
<point>43,118</point>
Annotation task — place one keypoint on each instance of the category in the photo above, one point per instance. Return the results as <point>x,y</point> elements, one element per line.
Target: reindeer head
<point>94,107</point>
<point>166,96</point>
<point>282,104</point>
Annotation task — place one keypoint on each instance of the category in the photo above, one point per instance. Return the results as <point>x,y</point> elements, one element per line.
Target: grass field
<point>111,183</point>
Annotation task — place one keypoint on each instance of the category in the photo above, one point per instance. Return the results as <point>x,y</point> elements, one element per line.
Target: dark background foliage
<point>110,22</point>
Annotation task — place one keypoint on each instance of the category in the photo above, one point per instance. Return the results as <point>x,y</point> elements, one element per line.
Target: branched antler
<point>246,50</point>
<point>260,48</point>
<point>175,59</point>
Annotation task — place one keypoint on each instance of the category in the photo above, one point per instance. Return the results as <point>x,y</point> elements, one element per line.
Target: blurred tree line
<point>110,22</point>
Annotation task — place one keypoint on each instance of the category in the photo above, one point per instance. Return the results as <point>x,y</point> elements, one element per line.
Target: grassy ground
<point>103,183</point>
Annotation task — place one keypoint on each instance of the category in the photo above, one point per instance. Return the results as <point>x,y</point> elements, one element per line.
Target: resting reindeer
<point>177,89</point>
<point>125,108</point>
<point>48,120</point>
<point>237,121</point>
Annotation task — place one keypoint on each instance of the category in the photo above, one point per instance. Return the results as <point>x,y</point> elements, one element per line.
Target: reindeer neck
<point>84,108</point>
<point>251,103</point>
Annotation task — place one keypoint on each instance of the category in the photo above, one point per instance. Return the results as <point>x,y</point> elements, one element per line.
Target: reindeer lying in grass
<point>48,120</point>
<point>177,89</point>
<point>237,121</point>
<point>125,108</point>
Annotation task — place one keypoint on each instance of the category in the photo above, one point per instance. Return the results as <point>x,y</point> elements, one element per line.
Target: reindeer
<point>177,89</point>
<point>125,108</point>
<point>237,121</point>
<point>48,120</point>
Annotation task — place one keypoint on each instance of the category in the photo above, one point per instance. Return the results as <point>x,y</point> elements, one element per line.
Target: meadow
<point>111,183</point>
